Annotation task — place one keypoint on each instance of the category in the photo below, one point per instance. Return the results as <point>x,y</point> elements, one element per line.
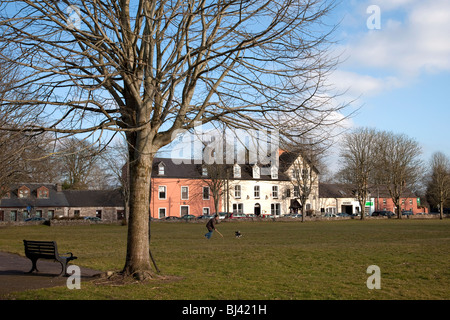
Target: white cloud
<point>413,40</point>
<point>416,44</point>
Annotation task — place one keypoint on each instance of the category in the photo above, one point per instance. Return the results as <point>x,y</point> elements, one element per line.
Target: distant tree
<point>397,165</point>
<point>438,189</point>
<point>358,154</point>
<point>304,176</point>
<point>79,161</point>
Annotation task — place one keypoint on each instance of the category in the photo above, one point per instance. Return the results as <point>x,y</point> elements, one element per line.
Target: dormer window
<point>42,193</point>
<point>23,192</point>
<point>256,171</point>
<point>161,168</point>
<point>237,171</point>
<point>274,172</point>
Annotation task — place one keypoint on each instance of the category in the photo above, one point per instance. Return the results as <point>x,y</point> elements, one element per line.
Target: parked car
<point>296,215</point>
<point>205,217</point>
<point>407,213</point>
<point>382,213</point>
<point>35,219</point>
<point>93,219</point>
<point>223,215</point>
<point>343,215</point>
<point>188,217</point>
<point>330,215</point>
<point>172,218</point>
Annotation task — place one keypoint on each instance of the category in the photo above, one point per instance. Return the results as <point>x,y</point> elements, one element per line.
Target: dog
<point>238,234</point>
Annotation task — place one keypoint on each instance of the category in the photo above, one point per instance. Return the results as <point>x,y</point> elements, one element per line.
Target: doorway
<point>257,209</point>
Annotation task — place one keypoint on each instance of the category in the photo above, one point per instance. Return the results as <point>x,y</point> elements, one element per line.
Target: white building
<point>272,190</point>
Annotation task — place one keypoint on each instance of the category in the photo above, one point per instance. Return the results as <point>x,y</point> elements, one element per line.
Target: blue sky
<point>400,73</point>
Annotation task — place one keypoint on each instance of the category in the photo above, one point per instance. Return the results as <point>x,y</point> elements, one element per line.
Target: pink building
<point>180,189</point>
<point>408,202</point>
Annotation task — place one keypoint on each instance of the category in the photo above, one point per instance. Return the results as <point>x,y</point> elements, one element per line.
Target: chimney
<point>58,187</point>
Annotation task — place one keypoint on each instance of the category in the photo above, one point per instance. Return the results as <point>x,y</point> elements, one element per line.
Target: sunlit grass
<point>273,260</point>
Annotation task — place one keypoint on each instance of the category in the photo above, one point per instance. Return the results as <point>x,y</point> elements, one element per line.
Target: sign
<point>369,203</point>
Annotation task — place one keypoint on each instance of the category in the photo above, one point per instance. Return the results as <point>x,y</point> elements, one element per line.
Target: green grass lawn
<point>273,260</point>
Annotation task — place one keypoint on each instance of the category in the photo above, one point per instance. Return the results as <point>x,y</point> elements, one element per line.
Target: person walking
<point>211,226</point>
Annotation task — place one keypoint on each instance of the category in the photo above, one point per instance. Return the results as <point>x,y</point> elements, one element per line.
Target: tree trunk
<point>138,262</point>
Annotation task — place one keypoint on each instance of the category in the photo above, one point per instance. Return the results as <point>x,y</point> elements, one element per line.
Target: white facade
<point>259,197</point>
<point>251,192</point>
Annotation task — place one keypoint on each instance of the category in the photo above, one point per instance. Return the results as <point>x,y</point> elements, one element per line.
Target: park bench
<point>35,250</point>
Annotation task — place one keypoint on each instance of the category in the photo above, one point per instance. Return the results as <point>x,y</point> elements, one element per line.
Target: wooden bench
<point>35,250</point>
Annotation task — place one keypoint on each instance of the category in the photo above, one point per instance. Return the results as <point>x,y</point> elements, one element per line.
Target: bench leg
<point>64,269</point>
<point>34,267</point>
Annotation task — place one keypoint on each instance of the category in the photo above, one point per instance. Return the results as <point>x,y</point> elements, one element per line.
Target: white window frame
<point>188,209</point>
<point>237,171</point>
<point>256,172</point>
<point>237,205</point>
<point>274,208</point>
<point>237,191</point>
<point>159,212</point>
<point>161,169</point>
<point>208,211</point>
<point>275,192</point>
<point>165,193</point>
<point>182,192</point>
<point>259,192</point>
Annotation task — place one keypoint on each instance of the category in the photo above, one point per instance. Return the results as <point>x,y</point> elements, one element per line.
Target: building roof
<point>94,198</point>
<point>61,198</point>
<point>187,169</point>
<point>56,198</point>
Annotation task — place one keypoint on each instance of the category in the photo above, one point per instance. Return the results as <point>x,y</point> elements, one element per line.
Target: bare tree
<point>79,163</point>
<point>358,154</point>
<point>438,191</point>
<point>304,176</point>
<point>151,68</point>
<point>398,165</point>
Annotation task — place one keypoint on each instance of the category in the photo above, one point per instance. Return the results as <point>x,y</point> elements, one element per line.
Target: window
<point>274,172</point>
<point>206,211</point>
<point>42,193</point>
<point>162,192</point>
<point>98,213</point>
<point>184,210</point>
<point>76,213</point>
<point>410,201</point>
<point>296,191</point>
<point>23,192</point>
<point>288,193</point>
<point>13,215</point>
<point>238,208</point>
<point>275,209</point>
<point>256,172</point>
<point>205,193</point>
<point>50,214</point>
<point>237,191</point>
<point>205,171</point>
<point>256,192</point>
<point>184,193</point>
<point>161,213</point>
<point>274,191</point>
<point>237,171</point>
<point>161,169</point>
<point>294,174</point>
